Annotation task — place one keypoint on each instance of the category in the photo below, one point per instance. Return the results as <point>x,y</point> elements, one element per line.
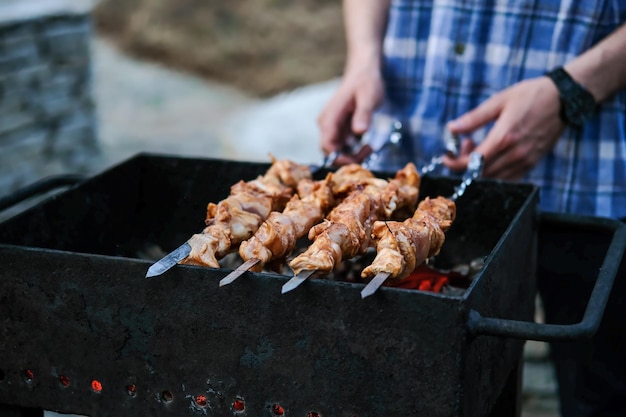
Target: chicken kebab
<point>345,233</point>
<point>403,246</point>
<point>238,216</point>
<point>278,236</point>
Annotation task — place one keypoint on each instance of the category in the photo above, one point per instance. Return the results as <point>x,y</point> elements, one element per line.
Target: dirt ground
<point>262,47</point>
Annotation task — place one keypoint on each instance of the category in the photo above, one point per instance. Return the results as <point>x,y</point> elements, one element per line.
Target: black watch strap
<point>577,104</point>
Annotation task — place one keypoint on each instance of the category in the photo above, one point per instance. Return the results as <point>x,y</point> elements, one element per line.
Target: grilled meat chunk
<point>238,216</point>
<point>402,246</point>
<point>278,235</point>
<point>346,231</point>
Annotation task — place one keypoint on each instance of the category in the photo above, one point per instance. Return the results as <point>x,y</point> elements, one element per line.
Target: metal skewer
<point>474,170</point>
<point>296,280</point>
<point>394,139</point>
<point>452,146</point>
<point>374,284</point>
<point>169,261</point>
<point>237,272</point>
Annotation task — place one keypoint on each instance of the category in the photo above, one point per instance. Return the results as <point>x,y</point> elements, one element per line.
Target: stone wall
<point>47,115</point>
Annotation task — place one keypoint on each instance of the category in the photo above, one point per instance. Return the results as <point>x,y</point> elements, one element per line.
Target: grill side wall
<point>320,349</point>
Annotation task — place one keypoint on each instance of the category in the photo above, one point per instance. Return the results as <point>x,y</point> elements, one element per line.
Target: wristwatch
<point>577,104</point>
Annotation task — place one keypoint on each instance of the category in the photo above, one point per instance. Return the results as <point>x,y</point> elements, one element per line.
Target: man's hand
<point>527,126</point>
<point>350,111</point>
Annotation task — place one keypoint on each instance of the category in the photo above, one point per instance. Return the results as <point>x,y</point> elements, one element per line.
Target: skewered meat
<point>402,246</point>
<point>346,231</point>
<point>279,182</point>
<point>238,216</point>
<point>346,177</point>
<point>277,236</point>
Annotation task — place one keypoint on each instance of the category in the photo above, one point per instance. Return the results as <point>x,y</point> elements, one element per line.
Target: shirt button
<point>459,48</point>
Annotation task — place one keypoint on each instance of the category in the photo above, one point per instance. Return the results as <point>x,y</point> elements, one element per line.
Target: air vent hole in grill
<point>28,376</point>
<point>131,390</point>
<point>167,397</point>
<point>96,386</point>
<point>239,405</point>
<point>201,401</point>
<point>64,380</point>
<point>278,410</point>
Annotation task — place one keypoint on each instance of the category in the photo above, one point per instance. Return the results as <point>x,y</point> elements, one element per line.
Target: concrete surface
<point>145,107</point>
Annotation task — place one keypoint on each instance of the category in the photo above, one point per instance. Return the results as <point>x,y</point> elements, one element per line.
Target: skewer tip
<point>154,271</point>
<point>374,284</point>
<point>296,280</point>
<point>169,261</point>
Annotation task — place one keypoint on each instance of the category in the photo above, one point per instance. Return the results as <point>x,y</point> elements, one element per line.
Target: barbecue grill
<point>84,332</point>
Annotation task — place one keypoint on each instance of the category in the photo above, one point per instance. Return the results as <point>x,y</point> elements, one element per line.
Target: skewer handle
<point>474,170</point>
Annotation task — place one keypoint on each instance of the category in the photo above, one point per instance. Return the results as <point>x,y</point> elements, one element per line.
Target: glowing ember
<point>96,386</point>
<point>201,400</point>
<point>278,410</point>
<point>425,278</point>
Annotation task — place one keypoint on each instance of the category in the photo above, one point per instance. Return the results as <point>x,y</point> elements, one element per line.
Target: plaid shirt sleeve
<point>444,57</point>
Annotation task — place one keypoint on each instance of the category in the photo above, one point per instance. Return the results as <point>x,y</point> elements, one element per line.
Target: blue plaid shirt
<point>442,58</point>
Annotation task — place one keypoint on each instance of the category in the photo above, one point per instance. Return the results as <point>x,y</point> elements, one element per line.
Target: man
<point>538,86</point>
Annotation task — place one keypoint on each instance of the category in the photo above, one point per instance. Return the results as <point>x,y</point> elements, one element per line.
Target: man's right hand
<point>349,112</point>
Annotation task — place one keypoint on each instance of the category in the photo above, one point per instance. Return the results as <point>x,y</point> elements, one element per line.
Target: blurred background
<point>263,47</point>
<point>87,84</point>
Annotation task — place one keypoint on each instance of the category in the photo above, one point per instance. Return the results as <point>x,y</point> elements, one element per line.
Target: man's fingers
<point>333,131</point>
<point>485,113</point>
<point>334,122</point>
<point>467,146</point>
<point>344,159</point>
<point>366,100</point>
<point>362,117</point>
<point>356,158</point>
<point>478,117</point>
<point>361,120</point>
<point>459,162</point>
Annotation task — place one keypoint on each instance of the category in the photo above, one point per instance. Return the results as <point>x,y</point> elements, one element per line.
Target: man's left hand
<point>527,126</point>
